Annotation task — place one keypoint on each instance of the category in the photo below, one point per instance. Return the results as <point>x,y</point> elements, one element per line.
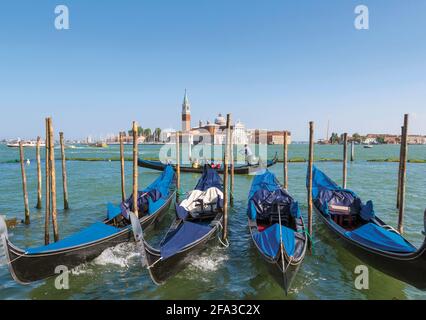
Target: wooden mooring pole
<point>64,171</point>
<point>345,160</point>
<point>231,166</point>
<point>123,182</point>
<point>39,178</point>
<point>398,196</point>
<point>285,159</point>
<point>53,181</point>
<point>135,169</point>
<point>177,165</point>
<point>404,146</point>
<point>310,177</point>
<point>352,151</point>
<point>47,165</point>
<point>225,180</point>
<point>24,183</point>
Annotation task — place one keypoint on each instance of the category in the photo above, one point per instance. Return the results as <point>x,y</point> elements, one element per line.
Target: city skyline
<point>279,67</point>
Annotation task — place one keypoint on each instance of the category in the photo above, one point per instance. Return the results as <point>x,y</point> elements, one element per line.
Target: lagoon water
<point>219,273</point>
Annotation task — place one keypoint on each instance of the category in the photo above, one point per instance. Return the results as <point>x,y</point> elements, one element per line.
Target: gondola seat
<point>92,233</point>
<point>376,237</point>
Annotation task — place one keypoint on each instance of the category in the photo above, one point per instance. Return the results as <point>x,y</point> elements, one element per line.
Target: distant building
<point>416,139</point>
<point>209,132</point>
<point>277,137</point>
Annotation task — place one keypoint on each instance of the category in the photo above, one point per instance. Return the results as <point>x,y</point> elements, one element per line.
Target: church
<point>210,131</point>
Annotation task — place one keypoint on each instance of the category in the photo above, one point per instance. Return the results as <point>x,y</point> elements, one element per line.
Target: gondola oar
<point>138,234</point>
<point>282,249</point>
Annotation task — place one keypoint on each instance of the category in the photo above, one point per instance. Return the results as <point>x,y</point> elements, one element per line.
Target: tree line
<point>148,134</point>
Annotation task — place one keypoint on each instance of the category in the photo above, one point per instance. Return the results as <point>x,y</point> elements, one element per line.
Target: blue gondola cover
<point>187,233</point>
<point>157,190</point>
<point>92,233</point>
<point>266,192</point>
<point>269,240</point>
<point>374,236</point>
<point>209,179</point>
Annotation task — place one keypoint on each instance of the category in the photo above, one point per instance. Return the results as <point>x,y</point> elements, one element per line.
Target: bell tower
<point>186,114</point>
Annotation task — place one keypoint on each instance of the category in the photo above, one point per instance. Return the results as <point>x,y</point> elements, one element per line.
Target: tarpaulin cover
<point>92,233</point>
<point>157,190</point>
<point>265,193</point>
<point>209,179</point>
<point>326,192</point>
<point>187,233</point>
<point>269,240</point>
<point>374,236</point>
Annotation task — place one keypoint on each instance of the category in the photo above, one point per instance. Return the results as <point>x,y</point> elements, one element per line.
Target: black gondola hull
<point>162,270</point>
<point>409,268</point>
<point>27,268</point>
<point>157,165</point>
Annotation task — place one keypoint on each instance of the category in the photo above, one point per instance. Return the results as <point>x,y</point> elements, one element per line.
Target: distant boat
<point>98,145</point>
<point>368,146</point>
<point>31,143</point>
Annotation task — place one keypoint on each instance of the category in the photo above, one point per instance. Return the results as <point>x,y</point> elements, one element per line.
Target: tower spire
<point>186,113</point>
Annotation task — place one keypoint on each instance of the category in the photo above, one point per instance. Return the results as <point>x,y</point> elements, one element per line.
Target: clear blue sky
<point>273,64</point>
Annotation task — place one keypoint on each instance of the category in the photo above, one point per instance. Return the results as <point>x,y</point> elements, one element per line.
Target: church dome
<point>220,120</point>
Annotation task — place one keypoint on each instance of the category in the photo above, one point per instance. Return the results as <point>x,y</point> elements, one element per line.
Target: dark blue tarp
<point>265,194</point>
<point>92,233</point>
<point>156,191</point>
<point>326,192</point>
<point>269,240</point>
<point>187,233</point>
<point>379,238</point>
<point>209,179</point>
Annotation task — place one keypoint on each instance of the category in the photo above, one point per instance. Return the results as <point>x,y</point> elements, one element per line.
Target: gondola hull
<point>275,266</point>
<point>161,270</point>
<point>409,268</point>
<point>26,268</point>
<point>246,169</point>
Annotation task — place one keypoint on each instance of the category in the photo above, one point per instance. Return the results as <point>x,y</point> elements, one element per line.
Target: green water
<point>219,273</point>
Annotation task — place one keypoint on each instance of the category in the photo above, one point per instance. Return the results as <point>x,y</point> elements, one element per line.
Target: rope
<point>311,239</point>
<point>226,245</point>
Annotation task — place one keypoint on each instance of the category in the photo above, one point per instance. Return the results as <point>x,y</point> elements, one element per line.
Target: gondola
<point>39,263</point>
<point>198,219</point>
<point>365,235</point>
<point>238,169</point>
<point>276,228</point>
